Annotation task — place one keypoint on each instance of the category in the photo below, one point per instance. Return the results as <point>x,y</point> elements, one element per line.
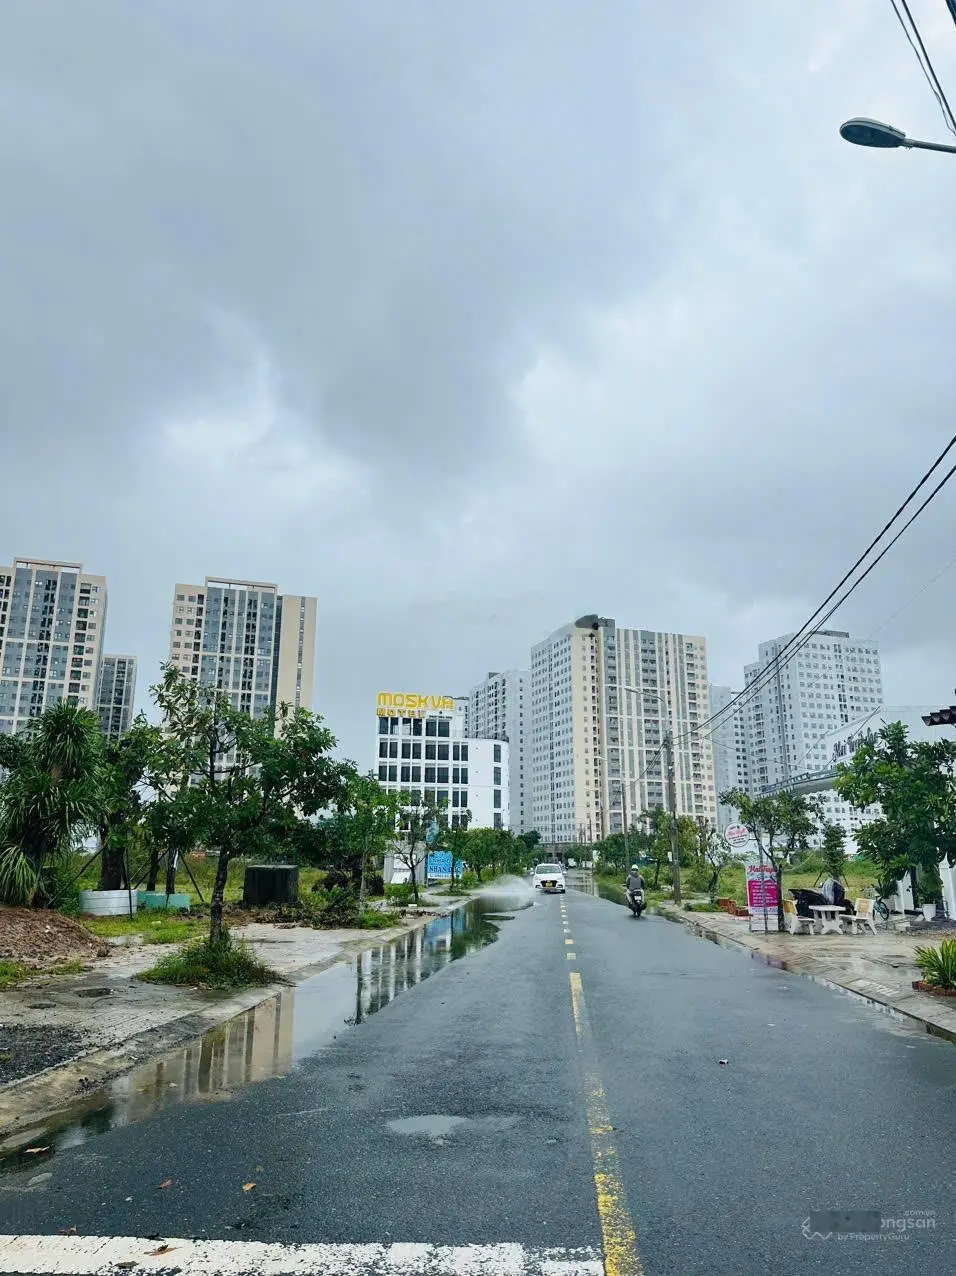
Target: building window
<point>443,753</point>
<point>416,748</point>
<point>429,775</point>
<point>430,750</point>
<point>497,802</point>
<point>497,819</point>
<point>464,753</point>
<point>416,775</point>
<point>443,775</point>
<point>383,772</point>
<point>416,726</point>
<point>431,726</point>
<point>393,772</point>
<point>406,748</point>
<point>497,777</point>
<point>444,727</point>
<point>406,774</point>
<point>383,748</point>
<point>442,797</point>
<point>497,752</point>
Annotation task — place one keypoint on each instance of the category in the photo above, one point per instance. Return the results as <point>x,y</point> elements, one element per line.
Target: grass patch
<point>225,965</point>
<point>75,967</point>
<point>378,919</point>
<point>11,973</point>
<point>155,926</point>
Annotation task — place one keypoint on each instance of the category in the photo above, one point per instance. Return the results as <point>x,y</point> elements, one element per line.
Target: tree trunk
<point>414,878</point>
<point>218,895</point>
<point>362,875</point>
<point>153,876</point>
<point>171,859</point>
<point>779,872</point>
<point>111,864</point>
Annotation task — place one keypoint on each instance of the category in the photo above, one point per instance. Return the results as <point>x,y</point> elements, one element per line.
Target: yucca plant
<point>938,964</point>
<point>51,798</point>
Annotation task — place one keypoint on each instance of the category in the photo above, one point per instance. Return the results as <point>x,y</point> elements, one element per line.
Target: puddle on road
<point>270,1039</point>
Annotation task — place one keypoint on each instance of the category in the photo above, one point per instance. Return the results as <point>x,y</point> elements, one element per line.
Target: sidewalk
<point>76,1032</point>
<point>879,968</point>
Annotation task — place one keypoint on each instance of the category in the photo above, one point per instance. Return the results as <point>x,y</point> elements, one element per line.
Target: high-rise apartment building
<point>729,747</point>
<point>799,700</point>
<point>497,710</point>
<point>52,620</point>
<point>602,700</point>
<point>116,695</point>
<point>424,749</point>
<point>247,639</point>
<point>800,696</point>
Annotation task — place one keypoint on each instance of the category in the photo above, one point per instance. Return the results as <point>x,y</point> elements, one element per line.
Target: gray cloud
<point>469,318</point>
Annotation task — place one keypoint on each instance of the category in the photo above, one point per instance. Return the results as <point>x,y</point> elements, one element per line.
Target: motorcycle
<point>635,900</point>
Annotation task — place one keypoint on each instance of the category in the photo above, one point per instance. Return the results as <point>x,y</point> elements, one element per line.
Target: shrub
<point>938,964</point>
<point>468,881</point>
<point>375,885</point>
<point>378,919</point>
<point>400,893</point>
<point>225,964</point>
<point>336,878</point>
<point>11,972</point>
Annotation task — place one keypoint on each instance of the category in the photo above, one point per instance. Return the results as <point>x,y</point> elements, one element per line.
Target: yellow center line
<point>569,941</point>
<point>617,1227</point>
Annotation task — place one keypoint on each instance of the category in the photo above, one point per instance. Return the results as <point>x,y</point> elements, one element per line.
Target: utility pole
<point>672,810</point>
<point>627,854</point>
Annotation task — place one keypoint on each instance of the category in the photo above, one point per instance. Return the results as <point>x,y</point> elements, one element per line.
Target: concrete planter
<point>107,903</point>
<point>929,911</point>
<point>175,903</point>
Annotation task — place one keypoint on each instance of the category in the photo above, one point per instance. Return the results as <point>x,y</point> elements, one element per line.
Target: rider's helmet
<point>634,868</point>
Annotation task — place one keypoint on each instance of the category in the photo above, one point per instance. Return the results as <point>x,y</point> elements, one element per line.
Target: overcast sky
<point>473,317</point>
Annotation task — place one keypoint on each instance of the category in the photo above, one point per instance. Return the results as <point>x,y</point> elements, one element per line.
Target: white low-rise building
<point>422,747</point>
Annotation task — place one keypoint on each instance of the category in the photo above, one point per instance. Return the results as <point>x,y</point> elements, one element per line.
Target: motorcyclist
<point>635,879</point>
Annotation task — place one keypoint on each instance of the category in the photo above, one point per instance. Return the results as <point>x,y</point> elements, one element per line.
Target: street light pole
<point>670,787</point>
<point>863,132</point>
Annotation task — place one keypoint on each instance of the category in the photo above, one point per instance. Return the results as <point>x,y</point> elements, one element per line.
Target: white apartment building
<point>116,695</point>
<point>247,639</point>
<point>423,748</point>
<point>830,683</point>
<point>498,710</point>
<point>52,621</point>
<point>602,699</point>
<point>729,746</point>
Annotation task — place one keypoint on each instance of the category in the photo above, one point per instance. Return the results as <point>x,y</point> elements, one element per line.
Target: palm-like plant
<point>52,796</point>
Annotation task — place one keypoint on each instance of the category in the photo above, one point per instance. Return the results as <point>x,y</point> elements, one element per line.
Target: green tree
<point>418,822</point>
<point>714,854</point>
<point>782,823</point>
<point>482,849</point>
<point>253,780</point>
<point>530,839</point>
<point>833,849</point>
<point>373,813</point>
<point>126,764</point>
<point>913,782</point>
<point>456,840</point>
<point>51,798</point>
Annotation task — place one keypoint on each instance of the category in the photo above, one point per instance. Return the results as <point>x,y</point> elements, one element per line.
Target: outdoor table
<point>828,915</point>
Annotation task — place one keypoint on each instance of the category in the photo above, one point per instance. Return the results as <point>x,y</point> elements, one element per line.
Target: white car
<point>549,878</point>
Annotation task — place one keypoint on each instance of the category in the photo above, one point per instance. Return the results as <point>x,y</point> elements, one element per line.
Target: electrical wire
<point>840,601</point>
<point>815,622</point>
<point>926,65</point>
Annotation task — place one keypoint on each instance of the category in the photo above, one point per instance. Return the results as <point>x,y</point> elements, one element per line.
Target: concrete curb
<point>910,1007</point>
<point>30,1100</point>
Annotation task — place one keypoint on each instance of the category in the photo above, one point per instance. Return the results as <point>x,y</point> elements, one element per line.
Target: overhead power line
<point>912,34</point>
<point>816,621</point>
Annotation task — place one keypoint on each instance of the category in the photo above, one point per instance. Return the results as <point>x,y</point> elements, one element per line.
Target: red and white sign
<point>736,835</point>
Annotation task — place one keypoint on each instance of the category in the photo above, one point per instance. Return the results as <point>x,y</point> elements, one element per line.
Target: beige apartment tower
<point>247,639</point>
<point>52,621</point>
<point>602,699</point>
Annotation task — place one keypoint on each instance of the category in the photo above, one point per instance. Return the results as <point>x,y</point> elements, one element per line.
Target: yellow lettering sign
<point>411,702</point>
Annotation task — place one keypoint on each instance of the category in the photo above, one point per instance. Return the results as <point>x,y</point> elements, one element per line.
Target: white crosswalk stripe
<point>134,1256</point>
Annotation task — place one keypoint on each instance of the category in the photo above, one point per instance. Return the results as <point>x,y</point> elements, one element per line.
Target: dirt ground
<point>43,940</point>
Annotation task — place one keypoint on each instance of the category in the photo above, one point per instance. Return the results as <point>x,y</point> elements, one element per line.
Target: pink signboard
<point>763,894</point>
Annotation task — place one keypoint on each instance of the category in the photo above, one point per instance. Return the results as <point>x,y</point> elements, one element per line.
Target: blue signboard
<point>439,865</point>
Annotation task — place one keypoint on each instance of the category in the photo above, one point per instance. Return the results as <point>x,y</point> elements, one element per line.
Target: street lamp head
<point>864,132</point>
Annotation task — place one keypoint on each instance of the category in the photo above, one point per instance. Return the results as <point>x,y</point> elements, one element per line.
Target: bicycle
<point>879,904</point>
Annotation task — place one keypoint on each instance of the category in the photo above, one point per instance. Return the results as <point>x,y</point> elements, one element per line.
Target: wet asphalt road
<point>823,1104</point>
